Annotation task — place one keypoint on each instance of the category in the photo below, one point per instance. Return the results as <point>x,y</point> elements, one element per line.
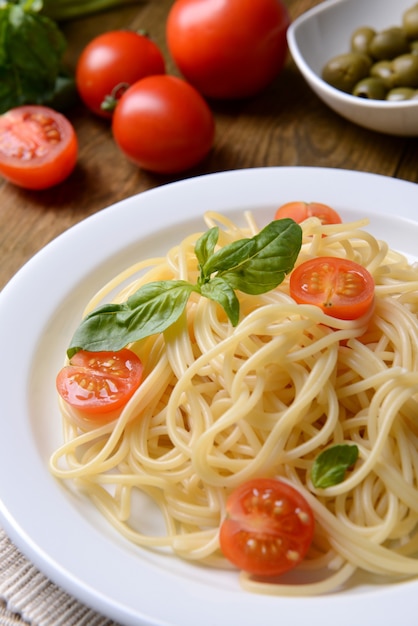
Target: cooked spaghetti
<point>219,405</point>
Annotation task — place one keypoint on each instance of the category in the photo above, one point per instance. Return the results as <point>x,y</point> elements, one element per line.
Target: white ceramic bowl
<point>324,32</point>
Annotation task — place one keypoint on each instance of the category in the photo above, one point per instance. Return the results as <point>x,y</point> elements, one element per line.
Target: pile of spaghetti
<point>220,405</point>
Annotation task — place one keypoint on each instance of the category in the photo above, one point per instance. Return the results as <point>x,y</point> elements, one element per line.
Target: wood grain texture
<point>286,125</point>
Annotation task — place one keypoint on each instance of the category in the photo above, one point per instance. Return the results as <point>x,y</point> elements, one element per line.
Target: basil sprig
<point>254,266</point>
<point>31,54</point>
<point>331,465</point>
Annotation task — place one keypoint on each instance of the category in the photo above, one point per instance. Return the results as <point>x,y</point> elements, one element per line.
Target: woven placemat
<point>28,597</point>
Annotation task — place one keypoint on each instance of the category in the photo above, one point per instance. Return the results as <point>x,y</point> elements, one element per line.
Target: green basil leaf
<point>330,466</point>
<point>65,93</point>
<point>221,292</point>
<point>152,309</point>
<point>253,266</point>
<point>33,5</point>
<point>205,245</point>
<point>31,51</point>
<point>229,256</point>
<point>275,251</point>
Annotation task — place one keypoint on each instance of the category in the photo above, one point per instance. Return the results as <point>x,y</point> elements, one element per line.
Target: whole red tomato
<point>116,58</point>
<point>228,48</point>
<point>163,124</point>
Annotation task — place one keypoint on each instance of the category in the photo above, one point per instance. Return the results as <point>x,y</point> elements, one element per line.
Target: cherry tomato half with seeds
<point>110,63</point>
<point>99,382</point>
<point>228,48</point>
<point>162,124</point>
<point>268,529</point>
<point>38,147</point>
<point>340,287</point>
<point>300,211</point>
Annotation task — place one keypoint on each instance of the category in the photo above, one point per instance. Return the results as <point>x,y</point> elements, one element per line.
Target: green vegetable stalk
<point>61,10</point>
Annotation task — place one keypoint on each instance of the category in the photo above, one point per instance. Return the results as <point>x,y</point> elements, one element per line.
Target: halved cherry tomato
<point>300,211</point>
<point>340,287</point>
<point>269,527</point>
<point>38,147</point>
<point>115,59</point>
<point>99,382</point>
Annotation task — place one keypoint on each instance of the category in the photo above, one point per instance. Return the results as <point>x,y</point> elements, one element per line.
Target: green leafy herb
<point>331,465</point>
<point>258,265</point>
<point>254,266</point>
<point>31,51</point>
<point>221,292</point>
<point>205,248</point>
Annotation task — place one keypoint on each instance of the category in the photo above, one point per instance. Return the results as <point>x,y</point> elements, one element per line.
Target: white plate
<point>40,308</point>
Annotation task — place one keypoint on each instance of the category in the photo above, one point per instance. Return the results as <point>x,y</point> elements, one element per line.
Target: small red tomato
<point>341,288</point>
<point>162,124</point>
<point>38,147</point>
<point>269,527</point>
<point>300,211</point>
<point>114,61</point>
<point>228,48</point>
<point>98,382</point>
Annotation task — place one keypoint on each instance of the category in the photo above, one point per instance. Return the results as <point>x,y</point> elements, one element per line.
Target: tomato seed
<point>292,555</point>
<point>304,517</point>
<point>278,507</point>
<point>251,544</point>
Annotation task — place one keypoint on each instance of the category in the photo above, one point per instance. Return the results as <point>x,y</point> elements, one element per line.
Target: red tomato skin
<point>300,211</point>
<point>30,128</point>
<point>119,57</point>
<point>228,49</point>
<point>332,299</point>
<point>97,383</point>
<point>162,124</point>
<point>270,513</point>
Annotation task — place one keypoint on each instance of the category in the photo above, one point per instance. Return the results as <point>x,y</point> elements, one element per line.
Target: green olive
<point>405,71</point>
<point>388,44</point>
<point>413,47</point>
<point>346,70</point>
<point>361,39</point>
<point>384,71</point>
<point>371,88</point>
<point>410,22</point>
<point>400,93</point>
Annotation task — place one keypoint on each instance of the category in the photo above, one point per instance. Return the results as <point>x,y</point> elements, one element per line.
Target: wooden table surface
<point>287,125</point>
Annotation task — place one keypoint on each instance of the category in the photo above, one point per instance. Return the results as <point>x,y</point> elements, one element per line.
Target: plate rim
<point>118,608</point>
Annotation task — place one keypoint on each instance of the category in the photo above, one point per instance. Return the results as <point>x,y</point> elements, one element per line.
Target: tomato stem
<point>111,100</point>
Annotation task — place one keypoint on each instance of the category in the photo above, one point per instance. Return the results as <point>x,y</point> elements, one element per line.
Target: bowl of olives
<point>361,58</point>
